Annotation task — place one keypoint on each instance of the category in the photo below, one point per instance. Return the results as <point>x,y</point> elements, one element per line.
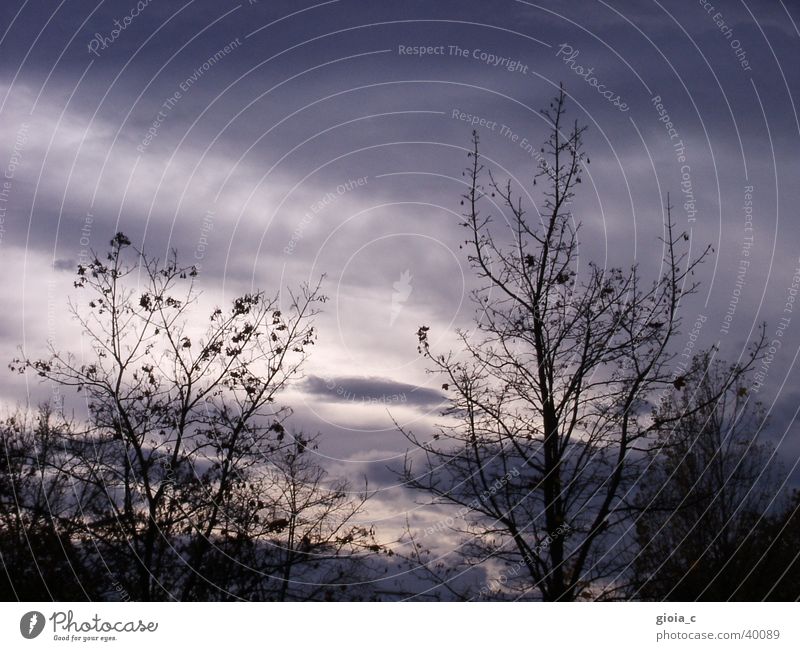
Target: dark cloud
<point>375,391</point>
<point>62,264</point>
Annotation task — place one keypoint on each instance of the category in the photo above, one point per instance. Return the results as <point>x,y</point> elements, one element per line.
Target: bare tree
<point>550,393</point>
<point>182,411</point>
<point>40,513</point>
<point>323,543</point>
<point>294,534</point>
<point>704,501</point>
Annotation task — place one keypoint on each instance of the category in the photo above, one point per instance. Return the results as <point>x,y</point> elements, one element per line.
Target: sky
<point>272,143</point>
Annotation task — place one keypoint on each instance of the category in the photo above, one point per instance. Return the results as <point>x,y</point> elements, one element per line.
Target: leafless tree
<point>182,422</point>
<point>707,494</point>
<point>41,513</point>
<point>294,534</point>
<point>550,393</point>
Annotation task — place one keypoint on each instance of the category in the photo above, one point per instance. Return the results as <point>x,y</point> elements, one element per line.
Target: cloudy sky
<point>273,142</point>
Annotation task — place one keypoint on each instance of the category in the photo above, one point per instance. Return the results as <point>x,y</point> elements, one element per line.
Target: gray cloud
<point>371,391</point>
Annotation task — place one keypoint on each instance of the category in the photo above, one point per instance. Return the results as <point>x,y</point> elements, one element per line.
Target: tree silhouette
<point>294,534</point>
<point>550,392</point>
<point>40,514</point>
<point>185,461</point>
<point>704,503</point>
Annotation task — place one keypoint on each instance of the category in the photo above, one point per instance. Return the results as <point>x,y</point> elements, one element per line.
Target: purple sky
<point>272,142</point>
